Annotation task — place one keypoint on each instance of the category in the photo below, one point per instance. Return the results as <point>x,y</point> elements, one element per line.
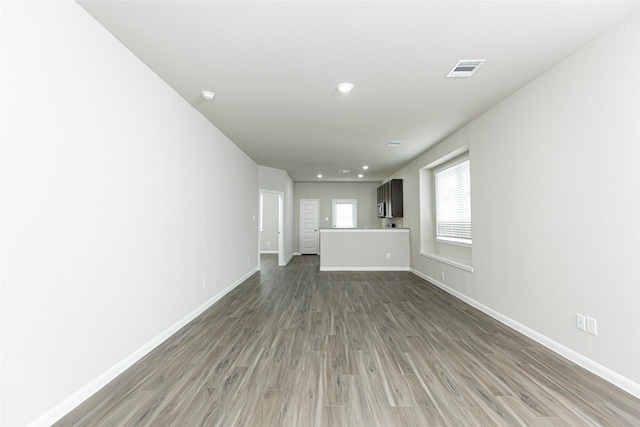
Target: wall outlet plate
<point>592,326</point>
<point>581,322</point>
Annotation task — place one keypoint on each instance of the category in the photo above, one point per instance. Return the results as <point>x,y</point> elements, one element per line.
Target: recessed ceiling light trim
<point>319,175</point>
<point>207,95</point>
<point>365,167</point>
<point>345,87</point>
<point>465,67</point>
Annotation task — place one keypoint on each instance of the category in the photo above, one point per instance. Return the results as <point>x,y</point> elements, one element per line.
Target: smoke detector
<point>466,67</point>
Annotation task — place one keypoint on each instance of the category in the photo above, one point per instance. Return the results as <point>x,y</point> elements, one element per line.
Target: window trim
<point>440,252</point>
<point>354,203</point>
<point>462,264</point>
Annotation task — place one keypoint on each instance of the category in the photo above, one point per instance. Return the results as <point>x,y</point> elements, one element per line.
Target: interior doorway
<point>270,237</point>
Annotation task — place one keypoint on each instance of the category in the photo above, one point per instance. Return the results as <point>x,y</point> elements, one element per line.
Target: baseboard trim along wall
<point>268,252</point>
<point>602,371</point>
<point>288,260</point>
<point>70,403</point>
<point>365,269</point>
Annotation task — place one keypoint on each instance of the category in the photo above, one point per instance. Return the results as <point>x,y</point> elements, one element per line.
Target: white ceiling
<point>274,67</point>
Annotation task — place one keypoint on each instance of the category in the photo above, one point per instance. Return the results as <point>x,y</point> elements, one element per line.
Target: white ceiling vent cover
<point>465,67</point>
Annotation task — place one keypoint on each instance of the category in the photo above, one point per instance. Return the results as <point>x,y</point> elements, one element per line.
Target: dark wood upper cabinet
<point>390,199</point>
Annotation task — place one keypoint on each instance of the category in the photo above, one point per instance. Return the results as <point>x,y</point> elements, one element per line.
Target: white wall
<point>269,231</point>
<point>364,192</point>
<point>555,172</point>
<point>272,179</point>
<point>116,203</point>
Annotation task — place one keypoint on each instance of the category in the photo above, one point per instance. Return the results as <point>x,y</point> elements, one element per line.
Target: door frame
<point>281,261</point>
<point>301,226</point>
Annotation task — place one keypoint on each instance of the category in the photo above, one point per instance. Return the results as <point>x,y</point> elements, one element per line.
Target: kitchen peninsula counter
<point>364,249</point>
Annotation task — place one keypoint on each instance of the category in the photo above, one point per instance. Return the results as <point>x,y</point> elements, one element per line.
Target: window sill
<point>462,264</point>
<point>453,242</point>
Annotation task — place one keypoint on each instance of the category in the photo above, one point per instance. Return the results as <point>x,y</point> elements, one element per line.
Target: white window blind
<point>453,203</point>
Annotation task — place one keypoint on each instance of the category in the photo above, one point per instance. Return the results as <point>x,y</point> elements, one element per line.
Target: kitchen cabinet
<point>381,210</point>
<point>389,196</point>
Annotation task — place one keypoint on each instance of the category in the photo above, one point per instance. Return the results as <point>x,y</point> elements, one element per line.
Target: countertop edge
<point>362,230</point>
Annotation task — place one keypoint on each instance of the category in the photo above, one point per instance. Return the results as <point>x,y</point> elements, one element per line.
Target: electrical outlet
<point>204,282</point>
<point>268,243</point>
<point>388,255</point>
<point>592,326</point>
<point>581,322</point>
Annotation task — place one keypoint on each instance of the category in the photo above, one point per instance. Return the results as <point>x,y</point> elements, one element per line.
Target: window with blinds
<point>453,202</point>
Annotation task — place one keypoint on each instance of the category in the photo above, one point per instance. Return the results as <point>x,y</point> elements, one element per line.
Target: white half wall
<point>555,205</point>
<point>364,250</point>
<point>112,188</point>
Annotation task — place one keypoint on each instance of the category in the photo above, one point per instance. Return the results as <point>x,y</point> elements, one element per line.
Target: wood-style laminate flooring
<point>292,346</point>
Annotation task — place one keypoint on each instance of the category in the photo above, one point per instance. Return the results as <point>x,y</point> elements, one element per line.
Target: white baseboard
<point>365,269</point>
<point>603,372</point>
<point>268,252</point>
<point>297,254</point>
<point>71,402</point>
<point>287,260</point>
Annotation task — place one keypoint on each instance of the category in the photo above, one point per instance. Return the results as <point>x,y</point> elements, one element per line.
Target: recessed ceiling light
<point>319,175</point>
<point>394,143</point>
<point>208,95</point>
<point>365,167</point>
<point>345,87</point>
<point>360,175</point>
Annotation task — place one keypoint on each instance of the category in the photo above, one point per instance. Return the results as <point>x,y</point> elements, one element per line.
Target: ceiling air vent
<point>344,171</point>
<point>466,67</point>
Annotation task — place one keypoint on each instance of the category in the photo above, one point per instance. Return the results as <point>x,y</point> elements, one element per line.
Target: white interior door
<point>309,234</point>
